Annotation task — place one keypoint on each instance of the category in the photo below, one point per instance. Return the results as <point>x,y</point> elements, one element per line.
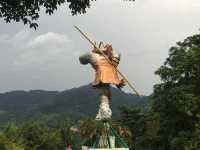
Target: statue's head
<point>113,55</point>
<point>108,47</point>
<point>95,55</point>
<point>110,52</point>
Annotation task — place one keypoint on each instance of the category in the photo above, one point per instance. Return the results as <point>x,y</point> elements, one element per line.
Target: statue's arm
<point>85,58</point>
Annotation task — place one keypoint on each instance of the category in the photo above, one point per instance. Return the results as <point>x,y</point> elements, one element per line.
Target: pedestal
<point>108,140</point>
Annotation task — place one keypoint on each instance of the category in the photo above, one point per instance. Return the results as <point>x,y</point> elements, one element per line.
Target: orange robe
<point>105,73</point>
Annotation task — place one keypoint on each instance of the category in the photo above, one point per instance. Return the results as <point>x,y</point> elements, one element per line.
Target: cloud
<point>180,5</point>
<point>32,60</point>
<point>37,51</point>
<point>172,6</point>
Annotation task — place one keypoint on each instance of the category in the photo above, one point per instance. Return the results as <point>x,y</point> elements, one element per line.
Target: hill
<point>51,106</point>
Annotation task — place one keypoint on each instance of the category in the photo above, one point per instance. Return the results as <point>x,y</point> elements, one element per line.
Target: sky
<point>142,31</point>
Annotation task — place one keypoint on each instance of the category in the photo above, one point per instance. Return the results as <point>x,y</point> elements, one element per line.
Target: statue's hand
<point>121,84</point>
<point>114,63</point>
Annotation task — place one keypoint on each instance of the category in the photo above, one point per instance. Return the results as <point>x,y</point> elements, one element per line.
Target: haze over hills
<point>50,106</point>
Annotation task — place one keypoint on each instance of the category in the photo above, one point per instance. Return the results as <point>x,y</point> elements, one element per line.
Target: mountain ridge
<point>49,106</point>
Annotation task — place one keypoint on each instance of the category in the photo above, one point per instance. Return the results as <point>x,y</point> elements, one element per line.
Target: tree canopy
<point>28,11</point>
<point>173,120</point>
<point>177,98</point>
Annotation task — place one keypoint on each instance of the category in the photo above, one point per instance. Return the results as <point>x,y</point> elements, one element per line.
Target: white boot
<point>104,109</point>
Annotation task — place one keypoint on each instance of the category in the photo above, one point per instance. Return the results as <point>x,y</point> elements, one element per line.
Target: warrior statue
<point>106,75</point>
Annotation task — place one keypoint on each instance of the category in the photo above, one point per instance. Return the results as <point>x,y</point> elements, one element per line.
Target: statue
<point>105,75</point>
<point>104,60</point>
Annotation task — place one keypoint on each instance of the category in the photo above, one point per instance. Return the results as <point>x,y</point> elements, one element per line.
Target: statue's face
<point>108,47</point>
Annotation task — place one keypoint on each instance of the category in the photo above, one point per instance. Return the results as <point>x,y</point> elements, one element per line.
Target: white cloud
<point>36,51</point>
<point>48,39</point>
<point>3,38</point>
<point>32,60</point>
<point>175,6</point>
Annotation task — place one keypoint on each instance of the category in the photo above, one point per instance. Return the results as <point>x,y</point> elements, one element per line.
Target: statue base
<point>106,139</point>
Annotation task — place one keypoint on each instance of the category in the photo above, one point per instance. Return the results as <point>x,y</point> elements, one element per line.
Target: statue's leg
<point>104,107</point>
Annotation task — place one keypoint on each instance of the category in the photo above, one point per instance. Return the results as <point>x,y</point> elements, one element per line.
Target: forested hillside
<point>50,106</point>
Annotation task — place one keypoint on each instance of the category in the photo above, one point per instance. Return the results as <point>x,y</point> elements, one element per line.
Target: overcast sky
<point>143,31</point>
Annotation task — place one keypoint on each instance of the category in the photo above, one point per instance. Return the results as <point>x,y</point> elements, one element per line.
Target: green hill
<point>51,106</point>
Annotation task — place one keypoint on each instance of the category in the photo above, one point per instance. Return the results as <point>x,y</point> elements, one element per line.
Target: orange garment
<point>105,73</point>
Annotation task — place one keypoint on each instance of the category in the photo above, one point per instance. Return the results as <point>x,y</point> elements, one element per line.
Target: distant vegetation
<point>38,136</point>
<point>77,103</point>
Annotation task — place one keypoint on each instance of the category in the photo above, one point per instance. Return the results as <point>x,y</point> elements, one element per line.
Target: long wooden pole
<point>125,78</point>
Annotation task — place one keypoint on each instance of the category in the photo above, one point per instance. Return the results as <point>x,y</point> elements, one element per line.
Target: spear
<point>105,56</point>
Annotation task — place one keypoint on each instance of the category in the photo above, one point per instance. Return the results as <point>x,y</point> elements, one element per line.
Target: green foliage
<point>5,144</point>
<point>136,121</point>
<point>173,120</point>
<point>51,106</point>
<point>11,131</point>
<point>69,136</point>
<point>38,136</point>
<point>89,127</point>
<point>8,138</point>
<point>177,98</point>
<point>34,135</point>
<point>28,11</point>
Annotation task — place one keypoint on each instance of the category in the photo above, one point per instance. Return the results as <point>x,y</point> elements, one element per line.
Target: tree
<point>38,136</point>
<point>177,98</point>
<point>68,135</point>
<point>34,135</point>
<point>9,138</point>
<point>27,11</point>
<point>6,144</point>
<point>134,119</point>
